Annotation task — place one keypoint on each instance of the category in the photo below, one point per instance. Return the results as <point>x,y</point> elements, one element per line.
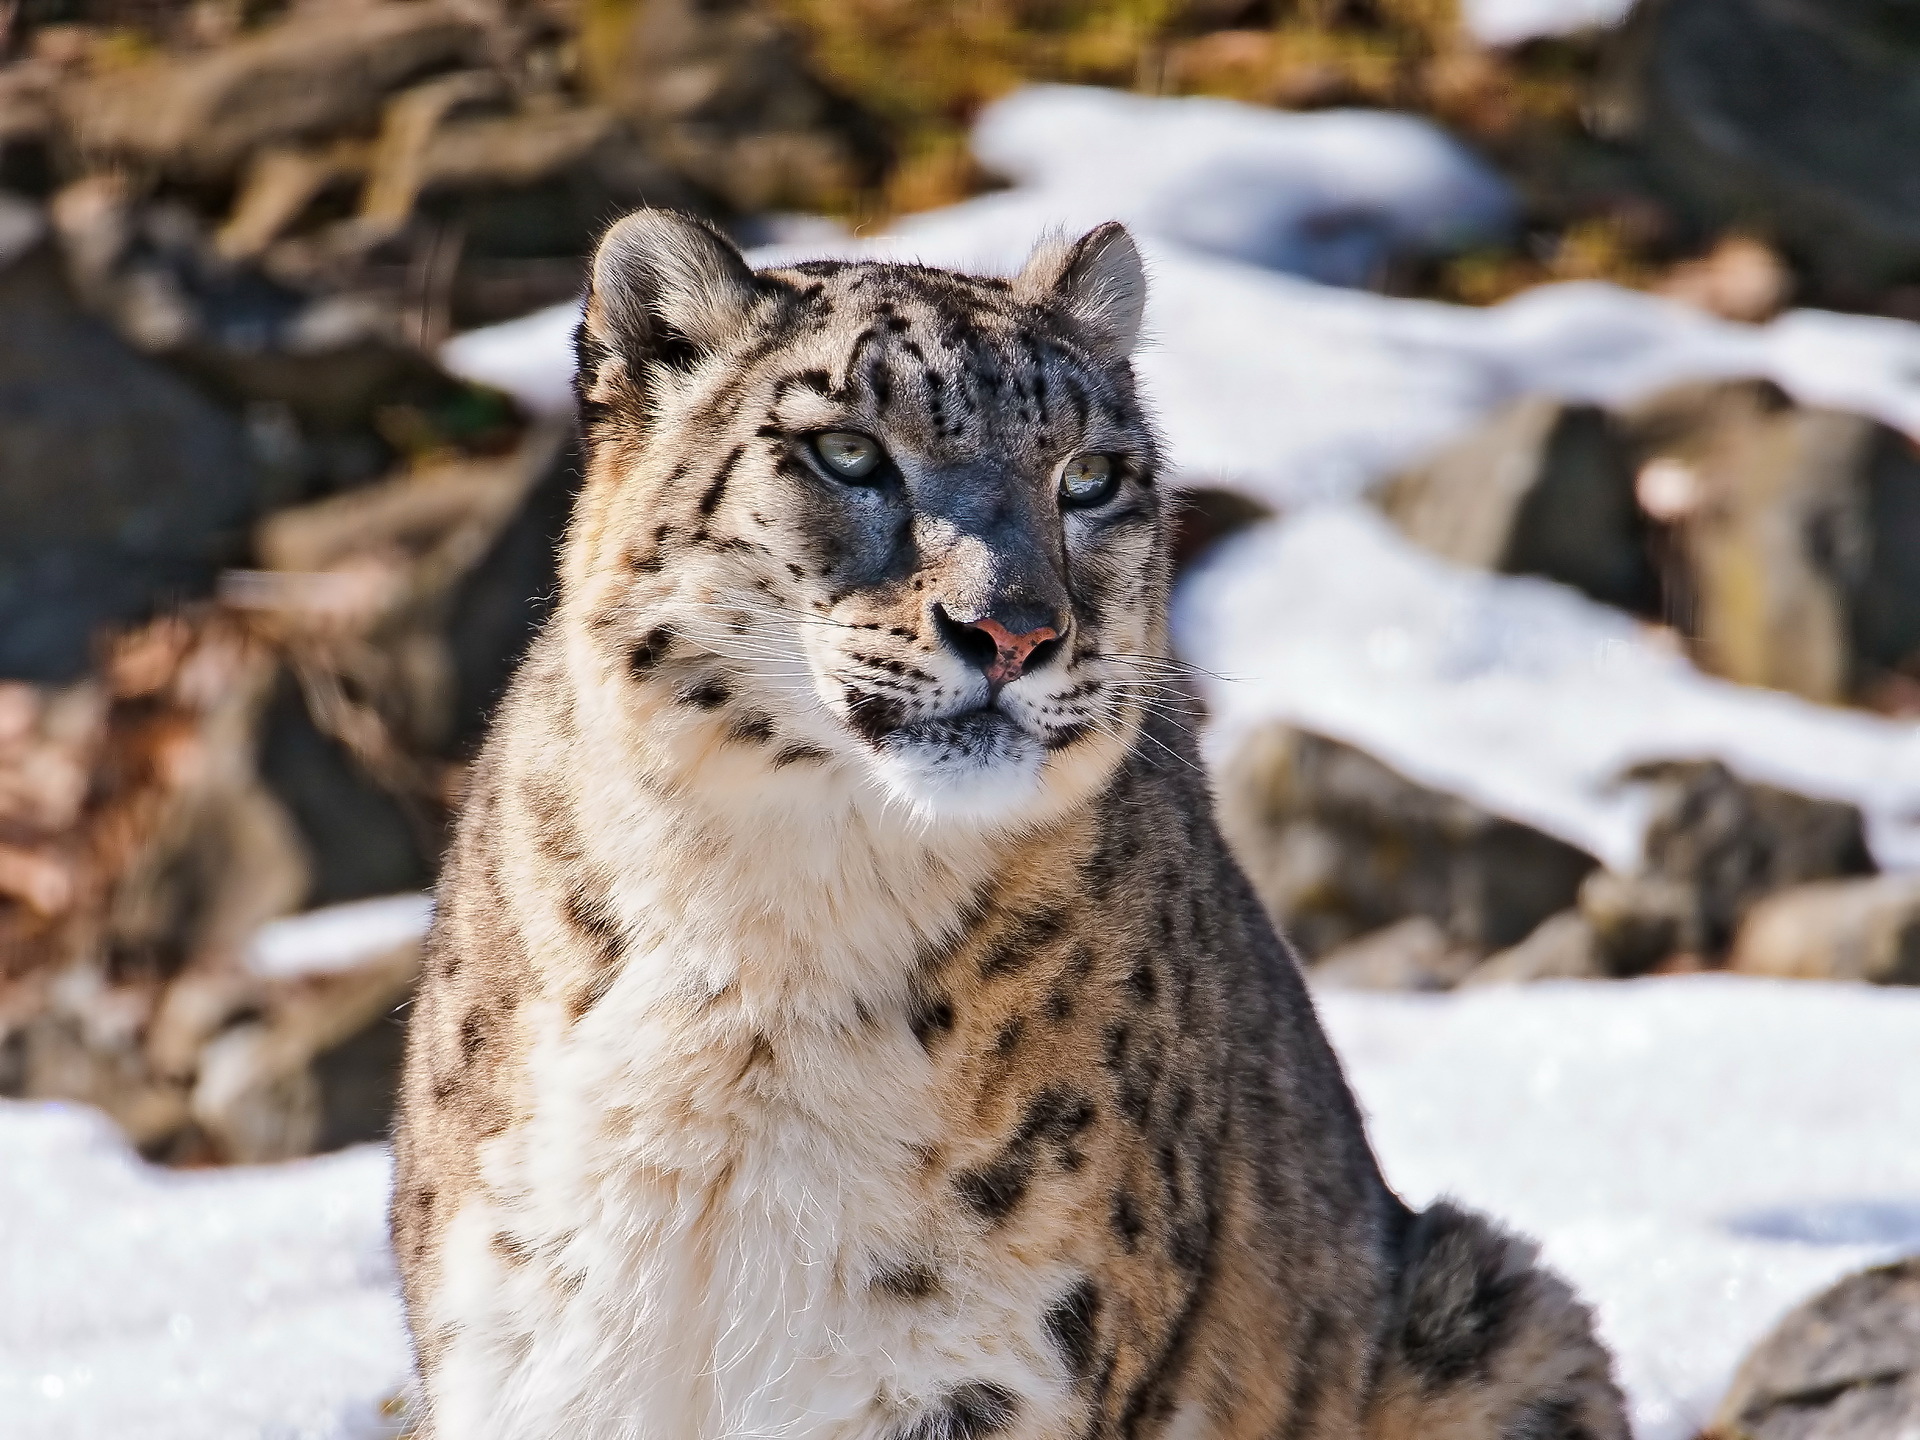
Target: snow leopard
<point>841,1016</point>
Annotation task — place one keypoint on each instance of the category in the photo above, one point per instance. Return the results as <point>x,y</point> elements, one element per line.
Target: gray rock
<point>1543,488</point>
<point>1731,842</point>
<point>1843,1366</point>
<point>1412,955</point>
<point>1798,115</point>
<point>123,488</point>
<point>1795,546</point>
<point>1563,947</point>
<point>1836,930</point>
<point>1338,845</point>
<point>1776,538</point>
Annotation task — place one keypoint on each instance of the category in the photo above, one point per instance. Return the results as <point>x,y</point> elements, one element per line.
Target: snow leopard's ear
<point>664,290</point>
<point>1098,280</point>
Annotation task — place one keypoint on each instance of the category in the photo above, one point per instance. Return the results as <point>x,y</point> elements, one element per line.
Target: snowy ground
<point>1696,1154</point>
<point>1524,696</point>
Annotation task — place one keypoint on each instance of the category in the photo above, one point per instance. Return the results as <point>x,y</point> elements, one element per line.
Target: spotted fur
<point>821,1039</point>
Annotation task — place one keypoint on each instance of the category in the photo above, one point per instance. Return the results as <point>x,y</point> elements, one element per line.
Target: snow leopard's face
<point>879,515</point>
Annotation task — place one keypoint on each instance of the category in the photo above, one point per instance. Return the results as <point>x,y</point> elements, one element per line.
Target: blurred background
<point>1542,383</point>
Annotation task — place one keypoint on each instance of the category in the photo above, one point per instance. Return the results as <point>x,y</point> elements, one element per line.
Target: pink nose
<point>1011,650</point>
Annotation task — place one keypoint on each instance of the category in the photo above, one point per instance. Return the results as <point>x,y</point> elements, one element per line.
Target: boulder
<point>1835,930</point>
<point>1562,947</point>
<point>1731,842</point>
<point>1716,846</point>
<point>1543,488</point>
<point>124,489</point>
<point>1414,954</point>
<point>1795,529</point>
<point>1339,845</point>
<point>1798,115</point>
<point>1843,1366</point>
<point>1775,538</point>
<point>325,70</point>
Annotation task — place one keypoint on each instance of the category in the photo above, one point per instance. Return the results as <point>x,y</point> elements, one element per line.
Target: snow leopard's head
<point>873,518</point>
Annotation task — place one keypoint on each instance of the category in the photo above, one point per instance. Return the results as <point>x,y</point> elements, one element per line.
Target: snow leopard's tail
<point>1484,1344</point>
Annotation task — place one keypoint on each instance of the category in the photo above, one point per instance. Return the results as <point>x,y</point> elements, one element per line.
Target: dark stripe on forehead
<point>710,501</point>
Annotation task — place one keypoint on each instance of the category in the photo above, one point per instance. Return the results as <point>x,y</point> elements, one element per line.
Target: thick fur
<point>820,1042</point>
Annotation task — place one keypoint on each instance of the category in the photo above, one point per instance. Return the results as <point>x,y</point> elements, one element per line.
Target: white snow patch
<point>1518,694</point>
<point>1697,1156</point>
<point>1288,389</point>
<point>338,937</point>
<point>1331,196</point>
<point>1509,22</point>
<point>141,1304</point>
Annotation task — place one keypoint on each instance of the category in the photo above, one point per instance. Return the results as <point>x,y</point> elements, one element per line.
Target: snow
<point>245,1304</point>
<point>1697,1155</point>
<point>1509,22</point>
<point>1266,381</point>
<point>1330,196</point>
<point>1521,695</point>
<point>338,937</point>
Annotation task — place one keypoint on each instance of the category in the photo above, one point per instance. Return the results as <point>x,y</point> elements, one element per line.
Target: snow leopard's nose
<point>1002,653</point>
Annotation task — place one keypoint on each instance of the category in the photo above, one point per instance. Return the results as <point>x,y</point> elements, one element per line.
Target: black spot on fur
<point>798,755</point>
<point>994,1189</point>
<point>708,693</point>
<point>1054,1117</point>
<point>1142,982</point>
<point>1124,1219</point>
<point>1015,950</point>
<point>909,1280</point>
<point>473,1035</point>
<point>872,715</point>
<point>969,1412</point>
<point>752,728</point>
<point>1008,1038</point>
<point>929,1016</point>
<point>651,650</point>
<point>1070,1322</point>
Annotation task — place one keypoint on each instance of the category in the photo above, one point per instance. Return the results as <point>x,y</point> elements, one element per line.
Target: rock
<point>1634,922</point>
<point>262,1091</point>
<point>1544,488</point>
<point>325,70</point>
<point>1835,930</point>
<point>1843,1366</point>
<point>1561,948</point>
<point>1731,842</point>
<point>1702,86</point>
<point>1338,845</point>
<point>722,90</point>
<point>1795,532</point>
<point>1739,279</point>
<point>1774,537</point>
<point>1716,846</point>
<point>123,488</point>
<point>1412,955</point>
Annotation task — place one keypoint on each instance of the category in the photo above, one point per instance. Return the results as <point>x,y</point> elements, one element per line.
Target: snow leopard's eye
<point>848,455</point>
<point>1088,480</point>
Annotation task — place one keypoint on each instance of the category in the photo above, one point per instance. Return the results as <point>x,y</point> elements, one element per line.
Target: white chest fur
<point>684,1241</point>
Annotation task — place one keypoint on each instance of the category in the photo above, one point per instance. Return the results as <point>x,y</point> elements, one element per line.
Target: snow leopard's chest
<point>704,1230</point>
